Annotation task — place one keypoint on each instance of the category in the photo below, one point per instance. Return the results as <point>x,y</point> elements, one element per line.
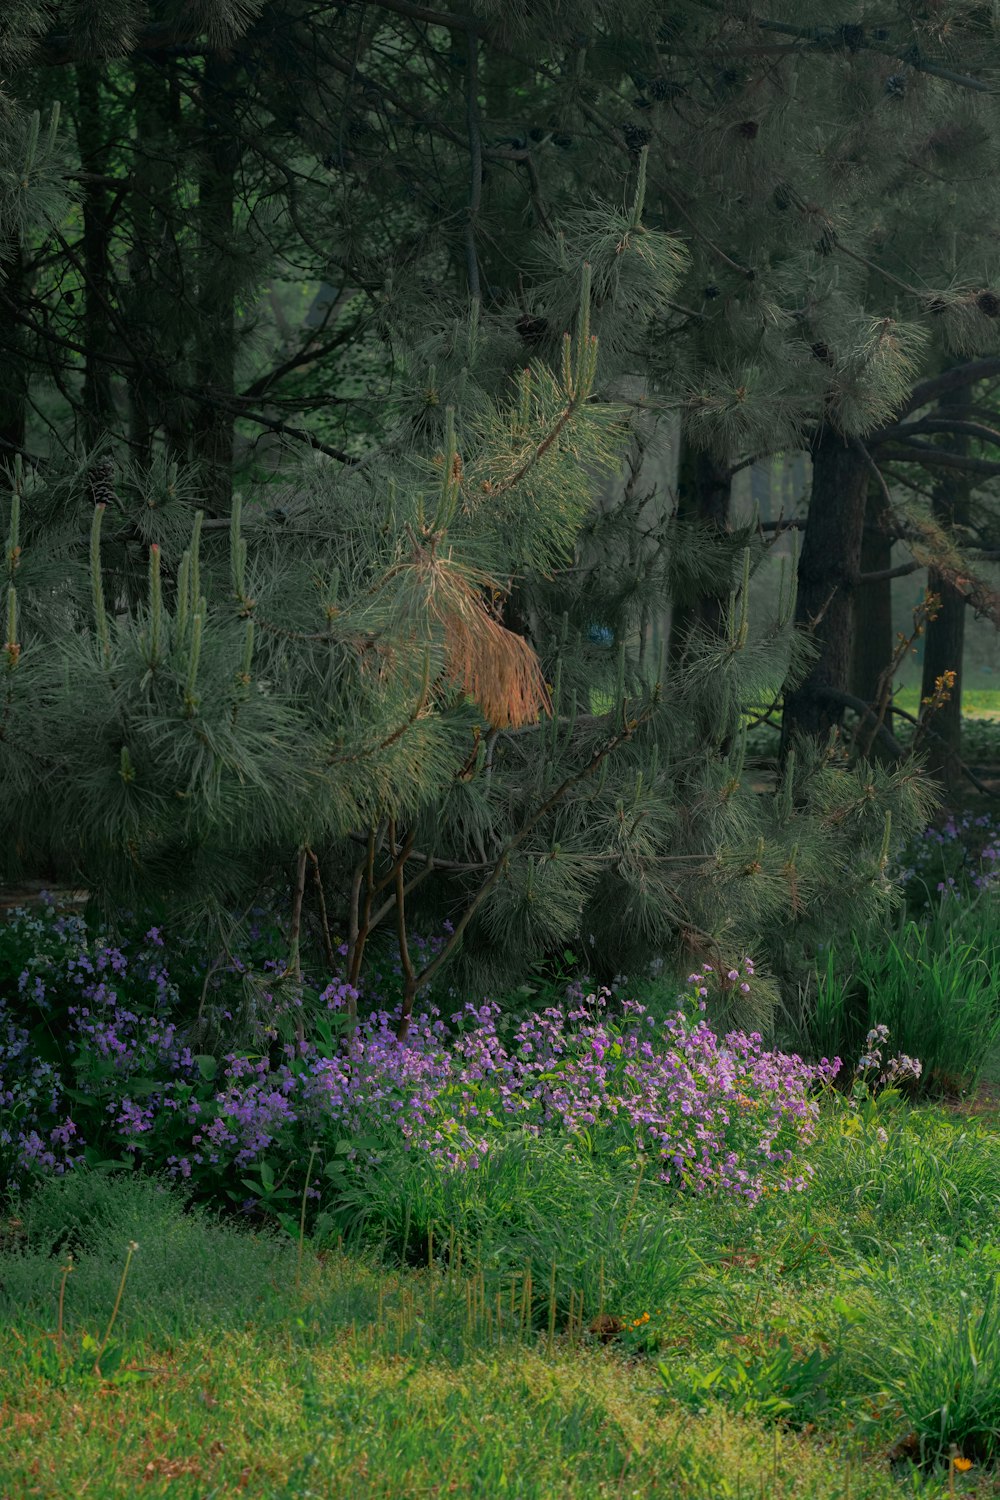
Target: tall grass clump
<point>939,999</point>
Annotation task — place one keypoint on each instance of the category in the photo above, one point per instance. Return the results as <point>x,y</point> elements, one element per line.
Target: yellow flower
<point>963,1465</point>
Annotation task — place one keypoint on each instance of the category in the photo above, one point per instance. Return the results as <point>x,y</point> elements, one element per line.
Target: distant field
<point>977,703</point>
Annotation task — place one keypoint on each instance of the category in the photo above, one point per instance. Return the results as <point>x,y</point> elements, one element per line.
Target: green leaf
<point>365,1143</point>
<point>111,1359</point>
<point>141,1088</point>
<point>98,1163</point>
<point>208,1066</point>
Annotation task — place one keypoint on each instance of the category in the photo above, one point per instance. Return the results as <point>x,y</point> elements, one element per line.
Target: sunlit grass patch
<point>811,1339</point>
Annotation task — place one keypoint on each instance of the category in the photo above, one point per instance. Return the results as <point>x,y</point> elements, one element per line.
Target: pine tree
<point>390,663</point>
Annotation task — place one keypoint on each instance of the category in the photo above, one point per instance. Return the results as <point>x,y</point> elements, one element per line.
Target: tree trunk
<point>703,497</point>
<point>14,380</point>
<point>828,570</point>
<point>216,358</point>
<point>944,640</point>
<point>159,313</point>
<point>98,401</point>
<point>873,633</point>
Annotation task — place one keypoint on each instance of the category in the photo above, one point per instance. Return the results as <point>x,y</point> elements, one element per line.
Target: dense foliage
<point>357,683</point>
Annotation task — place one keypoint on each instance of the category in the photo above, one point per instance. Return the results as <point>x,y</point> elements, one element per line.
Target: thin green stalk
<point>155,605</point>
<point>12,646</point>
<point>60,1322</point>
<point>190,701</point>
<point>552,1309</point>
<point>195,583</point>
<point>132,1248</point>
<point>302,1216</point>
<point>97,584</point>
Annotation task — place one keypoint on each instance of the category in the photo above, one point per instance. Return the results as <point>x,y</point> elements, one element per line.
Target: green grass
<point>783,1350</point>
<point>977,703</point>
<point>934,983</point>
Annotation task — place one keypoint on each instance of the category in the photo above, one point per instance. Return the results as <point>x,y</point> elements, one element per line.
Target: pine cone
<point>989,304</point>
<point>532,330</point>
<point>895,85</point>
<point>821,352</point>
<point>101,481</point>
<point>748,129</point>
<point>664,88</point>
<point>635,137</point>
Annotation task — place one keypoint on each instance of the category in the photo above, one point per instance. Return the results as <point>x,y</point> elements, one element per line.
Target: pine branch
<point>902,713</point>
<point>472,24</point>
<point>926,453</point>
<point>848,700</point>
<point>236,407</point>
<point>59,50</point>
<point>873,469</point>
<point>514,843</point>
<point>963,428</point>
<point>614,134</point>
<point>306,355</point>
<point>831,40</point>
<point>927,391</point>
<point>884,575</point>
<point>136,362</point>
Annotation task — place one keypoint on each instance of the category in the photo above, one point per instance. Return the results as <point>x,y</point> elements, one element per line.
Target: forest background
<point>377,381</point>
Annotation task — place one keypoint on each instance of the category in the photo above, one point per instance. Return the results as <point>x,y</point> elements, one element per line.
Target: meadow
<point>843,1342</point>
<point>576,1242</point>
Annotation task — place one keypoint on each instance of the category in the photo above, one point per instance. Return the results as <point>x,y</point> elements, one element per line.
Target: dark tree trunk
<point>873,634</point>
<point>216,358</point>
<point>14,378</point>
<point>158,306</point>
<point>98,400</point>
<point>944,641</point>
<point>704,489</point>
<point>828,568</point>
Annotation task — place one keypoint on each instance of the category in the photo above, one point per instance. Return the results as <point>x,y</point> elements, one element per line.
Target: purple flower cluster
<point>703,1114</point>
<point>960,857</point>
